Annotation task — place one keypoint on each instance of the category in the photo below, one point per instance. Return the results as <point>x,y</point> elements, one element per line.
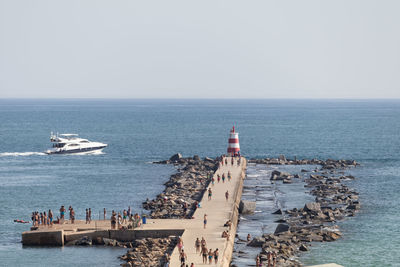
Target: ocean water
<point>140,131</point>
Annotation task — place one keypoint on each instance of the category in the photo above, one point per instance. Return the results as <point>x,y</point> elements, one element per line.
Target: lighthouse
<point>233,143</point>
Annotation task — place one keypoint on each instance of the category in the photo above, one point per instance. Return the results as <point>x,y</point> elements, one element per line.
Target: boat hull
<point>89,150</point>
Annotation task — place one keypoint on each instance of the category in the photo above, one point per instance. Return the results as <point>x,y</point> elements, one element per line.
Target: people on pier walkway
<point>209,193</point>
<point>227,195</point>
<point>197,245</point>
<point>216,254</point>
<point>210,256</point>
<point>205,221</point>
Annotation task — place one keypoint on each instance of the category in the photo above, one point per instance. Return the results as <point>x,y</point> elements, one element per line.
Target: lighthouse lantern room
<point>233,143</point>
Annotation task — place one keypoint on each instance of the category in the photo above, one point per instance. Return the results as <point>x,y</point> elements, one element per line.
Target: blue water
<point>140,131</point>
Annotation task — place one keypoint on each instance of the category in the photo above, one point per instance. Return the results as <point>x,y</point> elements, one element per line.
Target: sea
<point>139,132</point>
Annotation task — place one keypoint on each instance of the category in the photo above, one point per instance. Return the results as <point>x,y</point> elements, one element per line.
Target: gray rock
<point>256,242</point>
<point>196,157</point>
<point>303,247</point>
<point>279,211</point>
<point>281,228</point>
<point>247,207</point>
<point>312,207</point>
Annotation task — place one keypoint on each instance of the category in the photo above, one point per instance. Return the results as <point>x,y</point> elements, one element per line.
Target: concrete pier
<point>218,211</point>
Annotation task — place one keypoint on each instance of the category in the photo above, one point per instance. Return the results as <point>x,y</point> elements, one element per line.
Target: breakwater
<point>315,221</point>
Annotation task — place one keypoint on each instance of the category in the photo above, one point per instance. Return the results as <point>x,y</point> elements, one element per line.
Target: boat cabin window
<point>73,145</point>
<point>58,145</point>
<point>84,141</point>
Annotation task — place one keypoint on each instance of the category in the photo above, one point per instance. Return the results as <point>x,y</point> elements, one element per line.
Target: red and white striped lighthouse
<point>233,143</point>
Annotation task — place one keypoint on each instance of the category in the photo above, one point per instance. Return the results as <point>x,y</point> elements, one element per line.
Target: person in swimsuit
<point>197,245</point>
<point>72,214</point>
<point>204,253</point>
<point>248,238</point>
<point>90,215</point>
<point>113,220</point>
<point>205,221</point>
<point>209,193</point>
<point>51,217</point>
<point>210,256</point>
<point>227,195</point>
<point>216,253</point>
<point>183,256</point>
<point>223,177</point>
<point>62,213</point>
<point>104,213</point>
<point>87,216</point>
<point>218,178</point>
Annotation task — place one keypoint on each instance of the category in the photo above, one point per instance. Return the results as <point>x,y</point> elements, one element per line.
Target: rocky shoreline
<point>315,222</point>
<point>184,189</point>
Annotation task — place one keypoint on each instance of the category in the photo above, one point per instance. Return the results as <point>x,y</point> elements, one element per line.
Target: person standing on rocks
<point>205,221</point>
<point>227,195</point>
<point>209,193</point>
<point>90,215</point>
<point>125,214</point>
<point>248,238</point>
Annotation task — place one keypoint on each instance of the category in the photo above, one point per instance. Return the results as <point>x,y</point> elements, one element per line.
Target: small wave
<point>16,154</point>
<point>257,211</point>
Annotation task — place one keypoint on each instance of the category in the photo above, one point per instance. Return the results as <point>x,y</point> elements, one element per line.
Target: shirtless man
<point>227,195</point>
<point>204,253</point>
<point>205,221</point>
<point>209,193</point>
<point>197,245</point>
<point>72,214</point>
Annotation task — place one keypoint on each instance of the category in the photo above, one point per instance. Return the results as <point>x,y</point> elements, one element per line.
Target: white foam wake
<point>16,154</point>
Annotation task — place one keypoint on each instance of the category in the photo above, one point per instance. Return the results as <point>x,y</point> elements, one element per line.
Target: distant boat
<point>72,144</point>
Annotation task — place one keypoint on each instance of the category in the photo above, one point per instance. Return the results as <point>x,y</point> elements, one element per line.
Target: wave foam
<point>16,154</point>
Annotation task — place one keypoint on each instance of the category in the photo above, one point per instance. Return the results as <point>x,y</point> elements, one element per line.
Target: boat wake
<point>17,154</point>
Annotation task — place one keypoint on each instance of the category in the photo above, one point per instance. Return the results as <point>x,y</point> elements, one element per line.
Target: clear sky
<point>199,49</point>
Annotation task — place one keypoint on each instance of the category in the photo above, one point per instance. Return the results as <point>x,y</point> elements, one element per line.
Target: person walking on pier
<point>183,257</point>
<point>218,178</point>
<point>209,193</point>
<point>205,221</point>
<point>223,177</point>
<point>227,195</point>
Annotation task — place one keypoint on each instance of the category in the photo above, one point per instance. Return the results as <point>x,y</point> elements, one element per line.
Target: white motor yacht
<point>72,144</point>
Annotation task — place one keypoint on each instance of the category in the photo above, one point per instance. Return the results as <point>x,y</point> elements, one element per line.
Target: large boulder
<point>281,228</point>
<point>312,207</point>
<point>257,242</point>
<point>278,175</point>
<point>84,241</point>
<point>247,207</point>
<point>175,157</point>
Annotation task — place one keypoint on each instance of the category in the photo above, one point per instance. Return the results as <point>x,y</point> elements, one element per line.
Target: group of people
<point>42,218</point>
<point>127,217</point>
<point>224,160</point>
<point>271,258</point>
<point>207,254</point>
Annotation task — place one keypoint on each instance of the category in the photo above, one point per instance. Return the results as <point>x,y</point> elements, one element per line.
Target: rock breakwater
<point>184,189</point>
<point>149,252</point>
<point>315,222</point>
